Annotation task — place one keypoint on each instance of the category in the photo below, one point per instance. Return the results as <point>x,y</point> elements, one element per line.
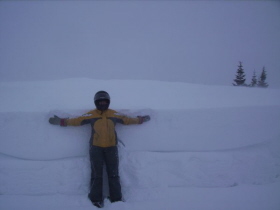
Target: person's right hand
<point>55,120</point>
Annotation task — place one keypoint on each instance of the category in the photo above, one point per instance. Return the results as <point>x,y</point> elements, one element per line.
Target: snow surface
<point>205,148</point>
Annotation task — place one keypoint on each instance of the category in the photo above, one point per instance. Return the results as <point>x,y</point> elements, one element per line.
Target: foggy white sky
<point>199,42</point>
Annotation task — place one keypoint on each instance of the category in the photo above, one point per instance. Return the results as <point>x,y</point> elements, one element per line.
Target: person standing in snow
<point>103,145</point>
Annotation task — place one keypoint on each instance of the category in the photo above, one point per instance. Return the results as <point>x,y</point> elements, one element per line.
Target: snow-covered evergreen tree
<point>240,76</point>
<point>262,80</point>
<point>254,80</point>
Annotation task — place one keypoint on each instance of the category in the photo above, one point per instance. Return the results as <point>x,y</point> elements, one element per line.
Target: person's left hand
<point>144,118</point>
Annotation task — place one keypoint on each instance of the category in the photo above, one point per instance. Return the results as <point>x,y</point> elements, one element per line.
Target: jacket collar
<point>101,112</point>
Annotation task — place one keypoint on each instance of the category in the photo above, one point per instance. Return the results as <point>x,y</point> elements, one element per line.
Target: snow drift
<point>204,144</point>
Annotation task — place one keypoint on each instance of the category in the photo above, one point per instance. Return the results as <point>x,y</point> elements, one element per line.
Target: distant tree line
<point>255,82</point>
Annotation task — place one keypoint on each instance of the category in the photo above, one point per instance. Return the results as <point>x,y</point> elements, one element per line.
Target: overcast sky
<point>190,41</point>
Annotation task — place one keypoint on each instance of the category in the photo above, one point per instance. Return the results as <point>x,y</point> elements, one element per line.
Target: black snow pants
<point>109,156</point>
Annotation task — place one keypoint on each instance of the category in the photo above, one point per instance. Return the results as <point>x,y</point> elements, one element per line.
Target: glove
<point>55,120</point>
<point>143,118</point>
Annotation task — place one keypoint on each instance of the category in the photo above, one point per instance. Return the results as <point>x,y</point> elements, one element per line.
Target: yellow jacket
<point>102,125</point>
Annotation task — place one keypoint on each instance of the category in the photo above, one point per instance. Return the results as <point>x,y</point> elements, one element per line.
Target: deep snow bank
<point>29,135</point>
<point>201,140</point>
<point>185,117</point>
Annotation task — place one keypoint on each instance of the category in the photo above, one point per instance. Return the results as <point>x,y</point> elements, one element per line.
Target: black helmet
<point>102,96</point>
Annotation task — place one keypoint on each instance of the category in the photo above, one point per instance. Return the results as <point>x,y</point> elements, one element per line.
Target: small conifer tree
<point>262,80</point>
<point>254,80</point>
<point>240,76</point>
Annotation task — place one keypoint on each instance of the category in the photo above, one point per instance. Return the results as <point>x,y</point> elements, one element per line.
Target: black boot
<point>98,204</point>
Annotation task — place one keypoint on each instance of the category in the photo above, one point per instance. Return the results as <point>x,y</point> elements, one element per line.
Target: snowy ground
<point>206,147</point>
